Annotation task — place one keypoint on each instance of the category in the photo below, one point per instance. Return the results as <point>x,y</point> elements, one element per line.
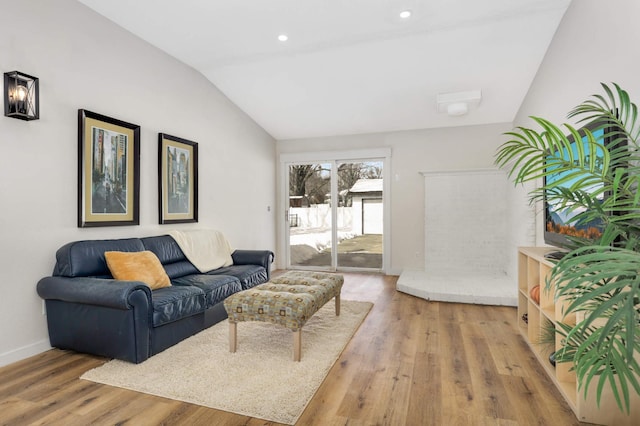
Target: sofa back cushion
<point>170,255</point>
<point>86,258</point>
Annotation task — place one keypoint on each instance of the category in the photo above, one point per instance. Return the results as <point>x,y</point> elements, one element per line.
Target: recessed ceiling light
<point>405,14</point>
<point>283,37</point>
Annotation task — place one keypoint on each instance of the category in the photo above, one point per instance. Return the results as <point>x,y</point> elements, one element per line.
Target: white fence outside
<point>318,216</point>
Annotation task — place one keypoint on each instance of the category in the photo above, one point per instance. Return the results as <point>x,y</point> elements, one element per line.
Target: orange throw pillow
<point>141,266</point>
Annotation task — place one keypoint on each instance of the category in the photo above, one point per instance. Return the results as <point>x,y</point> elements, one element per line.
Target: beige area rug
<point>259,380</point>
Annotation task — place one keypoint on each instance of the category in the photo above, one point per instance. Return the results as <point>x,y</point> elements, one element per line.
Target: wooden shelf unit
<point>537,330</point>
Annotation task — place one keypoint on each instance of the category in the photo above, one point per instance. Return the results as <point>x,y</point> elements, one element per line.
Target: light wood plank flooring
<point>412,362</point>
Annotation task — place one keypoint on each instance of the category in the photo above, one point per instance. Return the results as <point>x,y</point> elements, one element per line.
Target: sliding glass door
<point>334,215</point>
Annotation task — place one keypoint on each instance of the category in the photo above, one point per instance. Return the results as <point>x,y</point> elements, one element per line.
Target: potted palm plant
<point>599,279</point>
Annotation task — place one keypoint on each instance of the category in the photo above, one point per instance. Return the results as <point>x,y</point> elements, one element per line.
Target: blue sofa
<point>89,311</point>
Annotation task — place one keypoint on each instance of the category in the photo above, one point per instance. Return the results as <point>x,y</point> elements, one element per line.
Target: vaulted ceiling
<point>352,66</point>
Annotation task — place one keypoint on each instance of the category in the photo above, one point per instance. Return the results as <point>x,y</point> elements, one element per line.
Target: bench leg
<point>338,304</point>
<point>297,344</point>
<point>233,336</point>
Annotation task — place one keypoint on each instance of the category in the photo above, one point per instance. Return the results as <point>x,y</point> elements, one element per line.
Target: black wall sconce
<point>21,96</point>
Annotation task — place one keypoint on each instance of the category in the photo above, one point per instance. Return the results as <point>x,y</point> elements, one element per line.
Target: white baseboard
<point>24,352</point>
<point>395,272</point>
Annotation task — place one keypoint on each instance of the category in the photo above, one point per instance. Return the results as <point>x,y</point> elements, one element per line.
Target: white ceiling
<point>352,66</point>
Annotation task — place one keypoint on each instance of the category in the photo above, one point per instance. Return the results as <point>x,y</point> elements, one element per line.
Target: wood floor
<point>412,362</point>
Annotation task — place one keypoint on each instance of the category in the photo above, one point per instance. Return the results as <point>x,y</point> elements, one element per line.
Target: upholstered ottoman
<point>288,300</point>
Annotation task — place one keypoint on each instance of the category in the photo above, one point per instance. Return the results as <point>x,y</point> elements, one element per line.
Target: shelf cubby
<point>523,316</point>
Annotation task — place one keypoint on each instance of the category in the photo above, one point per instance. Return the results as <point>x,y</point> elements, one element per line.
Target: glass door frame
<point>335,158</point>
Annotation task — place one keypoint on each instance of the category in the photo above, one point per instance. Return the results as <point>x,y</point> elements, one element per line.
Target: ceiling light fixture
<point>283,37</point>
<point>457,109</point>
<point>405,14</point>
<point>458,103</point>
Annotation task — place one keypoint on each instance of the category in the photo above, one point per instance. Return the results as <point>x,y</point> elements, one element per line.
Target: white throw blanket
<point>205,248</point>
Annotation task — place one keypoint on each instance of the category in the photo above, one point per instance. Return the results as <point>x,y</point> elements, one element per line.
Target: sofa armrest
<point>104,317</point>
<point>253,257</point>
<point>263,258</point>
<point>93,291</point>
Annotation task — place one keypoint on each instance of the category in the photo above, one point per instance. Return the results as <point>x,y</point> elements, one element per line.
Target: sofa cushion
<point>142,266</point>
<point>86,258</point>
<point>216,287</point>
<point>249,275</point>
<point>176,302</point>
<point>170,255</point>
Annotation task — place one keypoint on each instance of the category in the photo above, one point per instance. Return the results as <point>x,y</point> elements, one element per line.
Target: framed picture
<point>177,179</point>
<point>108,171</point>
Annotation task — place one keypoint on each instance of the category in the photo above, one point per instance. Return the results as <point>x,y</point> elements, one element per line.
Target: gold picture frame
<point>108,171</point>
<point>177,179</point>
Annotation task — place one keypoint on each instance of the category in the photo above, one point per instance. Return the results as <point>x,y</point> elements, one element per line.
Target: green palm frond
<point>615,107</point>
<point>531,155</point>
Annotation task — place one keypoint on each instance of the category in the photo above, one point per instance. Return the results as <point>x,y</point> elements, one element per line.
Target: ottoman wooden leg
<point>297,344</point>
<point>338,304</point>
<point>233,336</point>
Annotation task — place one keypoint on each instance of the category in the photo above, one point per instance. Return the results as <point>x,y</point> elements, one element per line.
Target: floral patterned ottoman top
<point>288,300</point>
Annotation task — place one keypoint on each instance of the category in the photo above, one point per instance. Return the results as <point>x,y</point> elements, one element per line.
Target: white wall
<point>85,61</point>
<point>412,152</point>
<point>595,42</point>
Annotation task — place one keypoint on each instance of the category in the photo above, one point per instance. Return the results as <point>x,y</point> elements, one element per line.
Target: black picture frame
<point>108,171</point>
<point>177,180</point>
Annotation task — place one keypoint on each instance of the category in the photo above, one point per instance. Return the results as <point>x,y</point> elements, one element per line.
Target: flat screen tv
<point>560,222</point>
